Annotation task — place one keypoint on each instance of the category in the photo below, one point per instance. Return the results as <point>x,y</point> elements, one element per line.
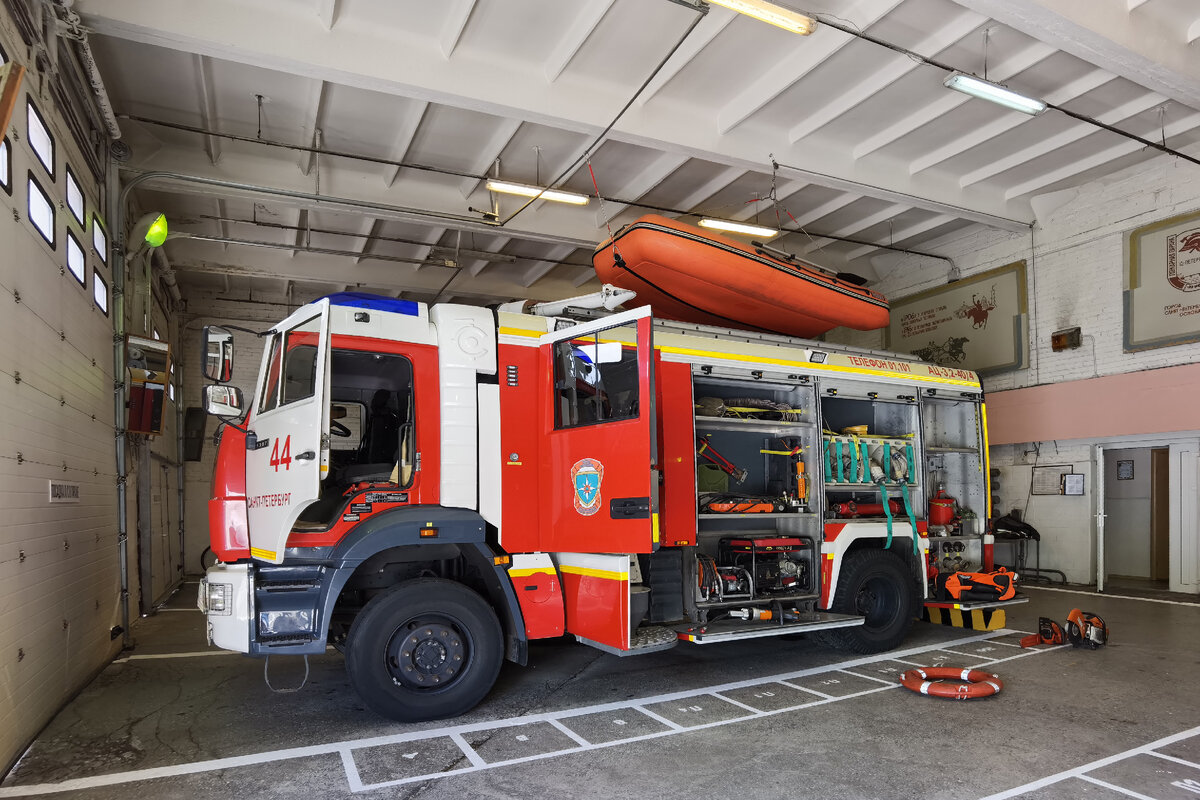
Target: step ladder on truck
<point>429,488</point>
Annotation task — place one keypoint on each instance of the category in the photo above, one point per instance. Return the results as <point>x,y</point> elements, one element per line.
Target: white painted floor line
<point>352,776</point>
<point>806,689</point>
<point>1185,762</point>
<point>751,709</point>
<point>1116,596</point>
<point>1078,772</point>
<point>327,748</point>
<point>156,656</point>
<point>468,751</point>
<point>868,677</point>
<point>1118,789</point>
<point>658,718</point>
<point>193,610</point>
<point>570,734</point>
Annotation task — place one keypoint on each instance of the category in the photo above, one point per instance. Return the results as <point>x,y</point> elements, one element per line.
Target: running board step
<point>726,630</point>
<point>646,639</point>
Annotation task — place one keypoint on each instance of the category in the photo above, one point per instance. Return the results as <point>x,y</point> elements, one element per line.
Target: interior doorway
<point>1137,522</point>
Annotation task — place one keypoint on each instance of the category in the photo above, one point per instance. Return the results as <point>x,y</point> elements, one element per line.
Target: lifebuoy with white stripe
<point>969,683</point>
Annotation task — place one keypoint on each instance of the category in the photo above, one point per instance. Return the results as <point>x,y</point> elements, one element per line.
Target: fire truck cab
<point>428,488</point>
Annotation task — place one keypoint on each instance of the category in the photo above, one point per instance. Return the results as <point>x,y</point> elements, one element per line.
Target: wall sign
<point>63,491</point>
<point>1162,283</point>
<point>978,323</point>
<point>1125,470</point>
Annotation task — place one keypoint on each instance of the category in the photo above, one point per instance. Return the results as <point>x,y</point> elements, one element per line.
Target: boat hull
<point>691,275</point>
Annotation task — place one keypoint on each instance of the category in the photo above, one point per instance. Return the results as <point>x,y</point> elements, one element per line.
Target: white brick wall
<point>1075,263</point>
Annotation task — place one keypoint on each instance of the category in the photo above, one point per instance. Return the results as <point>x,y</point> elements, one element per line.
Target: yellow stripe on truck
<point>524,573</point>
<point>265,555</point>
<point>588,572</point>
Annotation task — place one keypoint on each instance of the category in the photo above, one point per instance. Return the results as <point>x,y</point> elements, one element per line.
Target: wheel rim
<point>878,599</point>
<point>429,653</point>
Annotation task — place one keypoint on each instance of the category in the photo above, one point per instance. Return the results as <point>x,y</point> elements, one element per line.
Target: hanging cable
<point>701,10</point>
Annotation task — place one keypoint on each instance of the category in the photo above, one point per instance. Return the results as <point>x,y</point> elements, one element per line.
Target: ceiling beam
<point>370,60</point>
<point>1007,121</point>
<point>300,238</point>
<point>585,275</point>
<point>898,236</point>
<point>1074,133</point>
<point>489,151</point>
<point>895,66</point>
<point>476,267</point>
<point>1125,147</point>
<point>432,237</point>
<point>208,105</point>
<point>715,21</point>
<point>1133,46</point>
<point>1015,64</point>
<point>576,35</point>
<point>405,132</point>
<point>327,12</point>
<point>539,269</point>
<point>370,229</point>
<point>650,176</point>
<point>825,209</point>
<point>311,123</point>
<point>722,180</point>
<point>861,224</point>
<point>801,60</point>
<point>456,23</point>
<point>759,207</point>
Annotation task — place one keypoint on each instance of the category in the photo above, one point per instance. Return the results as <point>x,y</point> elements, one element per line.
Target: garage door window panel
<point>6,166</point>
<point>41,210</point>
<point>76,263</point>
<point>75,196</point>
<point>99,239</point>
<point>100,293</point>
<point>40,138</point>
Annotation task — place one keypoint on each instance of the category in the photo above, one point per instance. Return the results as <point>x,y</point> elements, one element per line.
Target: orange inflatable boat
<point>691,275</point>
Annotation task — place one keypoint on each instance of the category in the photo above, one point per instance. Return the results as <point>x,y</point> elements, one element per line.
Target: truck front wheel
<point>425,649</point>
<point>874,584</point>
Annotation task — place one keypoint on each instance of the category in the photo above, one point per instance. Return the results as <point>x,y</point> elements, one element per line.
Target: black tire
<point>875,584</point>
<point>425,649</point>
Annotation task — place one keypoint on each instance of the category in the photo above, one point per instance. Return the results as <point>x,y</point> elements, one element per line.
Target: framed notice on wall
<point>1162,283</point>
<point>977,323</point>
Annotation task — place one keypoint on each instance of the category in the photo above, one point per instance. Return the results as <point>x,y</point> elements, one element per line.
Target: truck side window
<point>594,382</point>
<point>300,361</point>
<point>270,392</point>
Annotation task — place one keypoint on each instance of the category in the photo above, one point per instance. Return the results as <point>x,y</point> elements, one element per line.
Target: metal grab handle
<point>307,455</point>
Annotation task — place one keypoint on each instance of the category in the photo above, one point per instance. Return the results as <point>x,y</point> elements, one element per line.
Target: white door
<point>290,452</point>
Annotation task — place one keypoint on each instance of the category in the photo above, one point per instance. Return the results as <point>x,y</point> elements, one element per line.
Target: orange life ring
<point>974,682</point>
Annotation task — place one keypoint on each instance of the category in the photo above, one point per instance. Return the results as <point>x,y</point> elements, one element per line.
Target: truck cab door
<point>287,448</point>
<point>599,483</point>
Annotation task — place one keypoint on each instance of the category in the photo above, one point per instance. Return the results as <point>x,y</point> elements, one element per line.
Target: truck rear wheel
<point>425,649</point>
<point>874,584</point>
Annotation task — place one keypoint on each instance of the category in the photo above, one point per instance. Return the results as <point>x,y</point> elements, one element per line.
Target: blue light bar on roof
<point>373,302</point>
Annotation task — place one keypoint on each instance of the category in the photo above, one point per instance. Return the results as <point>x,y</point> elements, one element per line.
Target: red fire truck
<point>428,488</point>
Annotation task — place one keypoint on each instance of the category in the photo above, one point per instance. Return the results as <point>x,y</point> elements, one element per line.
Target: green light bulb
<point>157,234</point>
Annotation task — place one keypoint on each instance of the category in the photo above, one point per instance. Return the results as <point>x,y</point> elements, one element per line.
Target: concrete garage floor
<point>175,719</point>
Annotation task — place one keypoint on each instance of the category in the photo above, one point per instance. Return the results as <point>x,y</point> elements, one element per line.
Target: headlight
<point>217,598</point>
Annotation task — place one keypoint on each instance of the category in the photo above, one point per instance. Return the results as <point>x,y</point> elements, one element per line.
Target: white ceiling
<point>870,145</point>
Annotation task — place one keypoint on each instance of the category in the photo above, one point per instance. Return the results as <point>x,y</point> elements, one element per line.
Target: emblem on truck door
<point>586,475</point>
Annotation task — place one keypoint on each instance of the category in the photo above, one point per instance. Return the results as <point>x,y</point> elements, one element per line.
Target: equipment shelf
<point>834,485</point>
<point>769,427</point>
<point>939,450</point>
<point>770,515</point>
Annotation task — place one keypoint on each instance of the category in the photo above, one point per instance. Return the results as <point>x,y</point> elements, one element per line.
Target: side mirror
<point>217,357</point>
<point>223,401</point>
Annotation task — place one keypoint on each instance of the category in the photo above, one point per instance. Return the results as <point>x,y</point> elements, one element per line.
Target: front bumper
<point>227,599</point>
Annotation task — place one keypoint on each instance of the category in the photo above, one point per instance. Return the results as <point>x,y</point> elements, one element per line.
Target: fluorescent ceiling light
<point>738,227</point>
<point>538,192</point>
<point>770,13</point>
<point>986,90</point>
